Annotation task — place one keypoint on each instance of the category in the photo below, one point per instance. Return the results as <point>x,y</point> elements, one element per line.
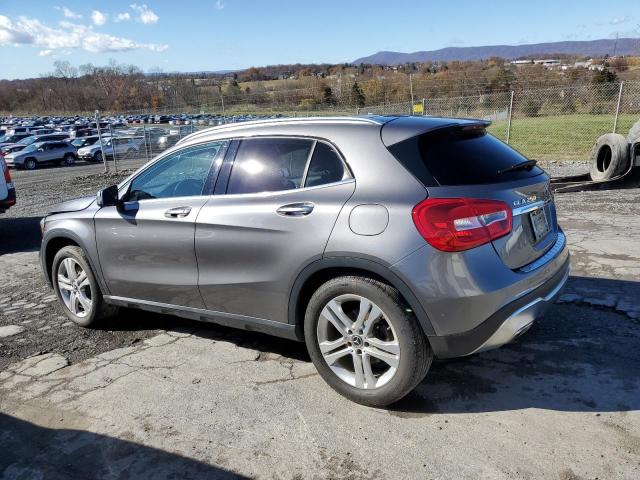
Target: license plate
<point>540,223</point>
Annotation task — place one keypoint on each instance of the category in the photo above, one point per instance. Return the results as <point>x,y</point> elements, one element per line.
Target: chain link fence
<point>558,123</point>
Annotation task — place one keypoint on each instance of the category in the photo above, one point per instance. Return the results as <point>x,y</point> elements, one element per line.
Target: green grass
<point>562,137</point>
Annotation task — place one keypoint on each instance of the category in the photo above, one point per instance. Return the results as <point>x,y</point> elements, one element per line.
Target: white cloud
<point>30,31</point>
<point>123,17</point>
<point>99,18</point>
<point>619,20</point>
<point>219,4</point>
<point>45,53</point>
<point>69,13</point>
<point>145,14</point>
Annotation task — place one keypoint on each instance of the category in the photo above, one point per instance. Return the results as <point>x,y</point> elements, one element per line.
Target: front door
<point>146,246</point>
<point>280,204</point>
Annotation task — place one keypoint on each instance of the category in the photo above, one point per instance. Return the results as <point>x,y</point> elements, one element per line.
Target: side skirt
<point>270,327</point>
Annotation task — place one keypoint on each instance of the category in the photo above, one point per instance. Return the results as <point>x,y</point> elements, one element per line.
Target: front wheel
<point>364,341</point>
<point>77,289</point>
<point>30,164</point>
<point>97,157</point>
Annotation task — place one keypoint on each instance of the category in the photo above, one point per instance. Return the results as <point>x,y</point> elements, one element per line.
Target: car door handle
<point>296,209</point>
<point>178,212</point>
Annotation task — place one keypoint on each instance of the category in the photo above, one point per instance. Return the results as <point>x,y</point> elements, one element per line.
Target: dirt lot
<point>149,396</point>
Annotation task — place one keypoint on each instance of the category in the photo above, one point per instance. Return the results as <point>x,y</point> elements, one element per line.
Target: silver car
<point>381,242</point>
<point>37,153</point>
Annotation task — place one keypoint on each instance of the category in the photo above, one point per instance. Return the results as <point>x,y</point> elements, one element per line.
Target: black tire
<point>30,164</point>
<point>97,157</point>
<point>69,159</point>
<point>634,133</point>
<point>99,309</point>
<point>415,352</point>
<point>609,157</point>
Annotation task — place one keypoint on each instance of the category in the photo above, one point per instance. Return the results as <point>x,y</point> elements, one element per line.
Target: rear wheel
<point>364,341</point>
<point>77,288</point>
<point>69,159</point>
<point>97,157</point>
<point>30,164</point>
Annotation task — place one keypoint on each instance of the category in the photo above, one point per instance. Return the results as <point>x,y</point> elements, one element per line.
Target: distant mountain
<point>596,48</point>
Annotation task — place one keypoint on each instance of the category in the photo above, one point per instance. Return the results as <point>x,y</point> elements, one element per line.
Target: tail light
<point>456,224</point>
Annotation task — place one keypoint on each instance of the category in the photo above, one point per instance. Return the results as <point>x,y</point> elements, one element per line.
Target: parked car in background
<point>8,138</point>
<point>382,242</point>
<point>121,146</point>
<point>42,152</point>
<point>7,189</point>
<point>44,138</point>
<point>85,141</point>
<point>11,148</point>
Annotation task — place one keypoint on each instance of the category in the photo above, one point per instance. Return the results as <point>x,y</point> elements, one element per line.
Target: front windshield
<point>4,138</point>
<point>78,142</point>
<point>27,140</point>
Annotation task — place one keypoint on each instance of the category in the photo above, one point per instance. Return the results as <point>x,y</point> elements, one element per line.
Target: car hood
<point>74,205</point>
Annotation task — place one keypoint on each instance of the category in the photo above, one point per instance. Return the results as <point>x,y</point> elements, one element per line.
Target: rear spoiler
<point>403,128</point>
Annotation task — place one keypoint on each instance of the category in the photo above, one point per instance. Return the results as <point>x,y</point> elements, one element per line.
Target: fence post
<point>146,147</point>
<point>615,120</point>
<point>424,107</point>
<point>113,150</point>
<point>510,115</point>
<point>104,160</point>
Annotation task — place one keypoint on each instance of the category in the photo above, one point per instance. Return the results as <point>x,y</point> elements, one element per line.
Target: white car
<point>7,190</point>
<point>123,146</point>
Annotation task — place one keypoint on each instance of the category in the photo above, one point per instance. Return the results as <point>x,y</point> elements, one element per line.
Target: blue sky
<point>194,35</point>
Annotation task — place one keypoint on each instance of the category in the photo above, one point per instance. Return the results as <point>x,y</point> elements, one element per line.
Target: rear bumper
<point>9,201</point>
<point>508,323</point>
<point>474,302</point>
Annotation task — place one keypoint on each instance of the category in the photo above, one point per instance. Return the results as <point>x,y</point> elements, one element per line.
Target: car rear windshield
<point>460,156</point>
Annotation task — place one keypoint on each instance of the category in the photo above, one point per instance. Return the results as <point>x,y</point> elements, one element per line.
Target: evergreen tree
<point>357,96</point>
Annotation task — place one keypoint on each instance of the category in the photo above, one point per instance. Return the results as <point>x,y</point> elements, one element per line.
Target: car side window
<point>269,165</point>
<point>182,174</point>
<point>326,166</point>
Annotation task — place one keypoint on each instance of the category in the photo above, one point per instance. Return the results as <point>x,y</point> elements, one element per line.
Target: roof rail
<point>371,120</point>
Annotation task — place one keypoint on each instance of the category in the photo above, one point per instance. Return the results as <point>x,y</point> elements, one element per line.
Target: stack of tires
<point>612,154</point>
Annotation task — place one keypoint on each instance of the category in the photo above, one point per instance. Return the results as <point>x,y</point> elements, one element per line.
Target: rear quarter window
<point>460,156</point>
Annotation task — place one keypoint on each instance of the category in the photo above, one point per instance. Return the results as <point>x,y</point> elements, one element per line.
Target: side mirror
<point>108,197</point>
<point>41,149</point>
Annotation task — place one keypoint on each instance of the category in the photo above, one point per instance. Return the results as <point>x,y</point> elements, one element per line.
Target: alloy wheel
<point>358,341</point>
<point>75,287</point>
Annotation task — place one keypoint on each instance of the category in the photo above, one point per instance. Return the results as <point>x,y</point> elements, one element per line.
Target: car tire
<point>97,157</point>
<point>609,157</point>
<point>30,164</point>
<point>73,296</point>
<point>69,159</point>
<point>634,133</point>
<point>379,383</point>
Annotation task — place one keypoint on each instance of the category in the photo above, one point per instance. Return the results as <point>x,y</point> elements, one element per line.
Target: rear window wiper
<point>526,165</point>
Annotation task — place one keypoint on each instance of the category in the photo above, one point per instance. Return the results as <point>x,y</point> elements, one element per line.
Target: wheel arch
<point>320,271</point>
<point>51,244</point>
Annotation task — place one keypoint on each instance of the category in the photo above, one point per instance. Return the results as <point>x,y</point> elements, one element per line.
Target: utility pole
<point>104,159</point>
<point>411,89</point>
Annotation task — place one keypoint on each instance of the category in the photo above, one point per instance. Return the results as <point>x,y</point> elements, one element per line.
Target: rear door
<point>270,219</point>
<point>146,247</point>
<point>467,162</point>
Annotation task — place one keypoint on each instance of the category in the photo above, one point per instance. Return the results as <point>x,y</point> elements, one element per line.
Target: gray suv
<point>382,242</point>
<point>37,153</point>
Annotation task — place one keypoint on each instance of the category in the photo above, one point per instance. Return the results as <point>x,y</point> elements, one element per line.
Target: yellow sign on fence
<point>417,108</point>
